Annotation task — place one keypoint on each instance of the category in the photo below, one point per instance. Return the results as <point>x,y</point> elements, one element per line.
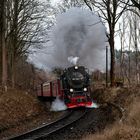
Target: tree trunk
<point>112,53</point>
<point>4,64</point>
<point>4,51</point>
<point>14,41</point>
<point>0,53</point>
<point>1,39</point>
<point>13,72</point>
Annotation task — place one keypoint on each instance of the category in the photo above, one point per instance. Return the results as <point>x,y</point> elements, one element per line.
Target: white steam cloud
<point>77,38</point>
<point>58,105</point>
<point>73,60</point>
<point>93,105</point>
<point>79,33</point>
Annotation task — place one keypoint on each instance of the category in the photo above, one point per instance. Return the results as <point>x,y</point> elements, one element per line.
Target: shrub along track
<point>76,124</point>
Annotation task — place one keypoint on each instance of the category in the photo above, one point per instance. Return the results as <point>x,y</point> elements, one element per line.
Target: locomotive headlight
<point>71,90</point>
<point>85,89</point>
<point>76,67</point>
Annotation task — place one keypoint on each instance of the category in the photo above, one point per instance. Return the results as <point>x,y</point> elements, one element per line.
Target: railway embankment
<point>20,112</point>
<point>128,128</point>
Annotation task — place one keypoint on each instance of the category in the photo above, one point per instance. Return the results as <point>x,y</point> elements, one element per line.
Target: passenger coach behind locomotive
<point>76,82</point>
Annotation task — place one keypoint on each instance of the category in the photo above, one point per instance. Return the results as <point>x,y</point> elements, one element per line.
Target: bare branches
<point>111,11</point>
<point>86,2</point>
<point>136,4</point>
<point>22,21</point>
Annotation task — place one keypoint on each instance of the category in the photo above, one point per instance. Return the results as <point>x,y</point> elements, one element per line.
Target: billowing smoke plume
<point>79,36</point>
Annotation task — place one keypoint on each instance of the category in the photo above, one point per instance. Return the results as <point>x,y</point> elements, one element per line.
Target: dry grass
<point>133,118</point>
<point>16,106</point>
<point>129,129</point>
<point>21,112</point>
<point>118,132</point>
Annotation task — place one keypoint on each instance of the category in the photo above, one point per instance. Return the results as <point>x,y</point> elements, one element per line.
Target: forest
<point>22,32</point>
<point>39,37</point>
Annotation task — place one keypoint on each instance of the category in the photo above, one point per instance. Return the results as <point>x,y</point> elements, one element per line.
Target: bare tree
<point>136,41</point>
<point>125,34</point>
<point>25,26</point>
<point>20,25</point>
<point>110,11</point>
<point>131,63</point>
<point>122,41</point>
<point>3,43</point>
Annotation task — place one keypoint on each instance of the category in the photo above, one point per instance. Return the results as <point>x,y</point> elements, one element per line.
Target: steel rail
<point>51,128</point>
<point>31,132</point>
<point>45,136</point>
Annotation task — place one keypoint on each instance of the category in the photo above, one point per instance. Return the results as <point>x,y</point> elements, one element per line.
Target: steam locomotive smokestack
<point>78,36</point>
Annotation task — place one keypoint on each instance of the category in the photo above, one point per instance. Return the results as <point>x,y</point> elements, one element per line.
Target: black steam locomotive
<point>73,87</point>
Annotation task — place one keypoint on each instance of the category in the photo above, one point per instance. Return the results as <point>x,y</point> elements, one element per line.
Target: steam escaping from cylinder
<point>93,105</point>
<point>58,105</point>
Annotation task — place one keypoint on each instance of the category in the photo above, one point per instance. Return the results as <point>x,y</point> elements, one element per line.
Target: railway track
<point>74,124</point>
<point>93,121</point>
<point>52,128</point>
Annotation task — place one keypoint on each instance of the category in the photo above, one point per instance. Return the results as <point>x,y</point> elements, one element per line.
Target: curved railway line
<point>52,128</point>
<point>74,124</point>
